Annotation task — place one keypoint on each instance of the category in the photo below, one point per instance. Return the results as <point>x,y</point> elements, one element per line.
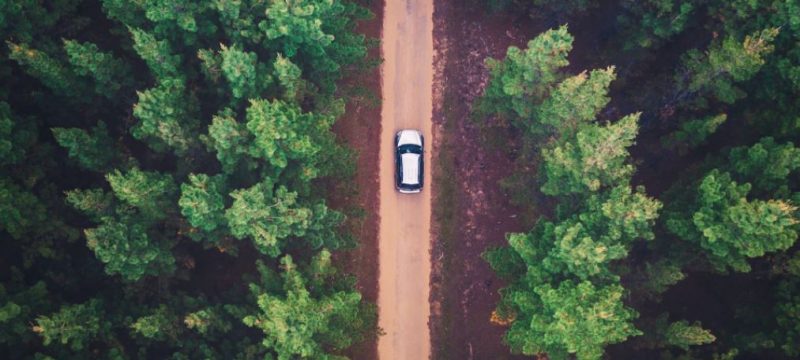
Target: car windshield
<point>409,148</point>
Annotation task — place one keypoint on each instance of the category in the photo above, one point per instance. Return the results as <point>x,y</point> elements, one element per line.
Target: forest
<point>665,178</point>
<point>165,170</point>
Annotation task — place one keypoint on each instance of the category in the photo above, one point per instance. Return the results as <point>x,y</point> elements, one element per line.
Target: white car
<point>409,161</point>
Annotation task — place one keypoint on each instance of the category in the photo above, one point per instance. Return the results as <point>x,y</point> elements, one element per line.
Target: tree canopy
<point>155,156</point>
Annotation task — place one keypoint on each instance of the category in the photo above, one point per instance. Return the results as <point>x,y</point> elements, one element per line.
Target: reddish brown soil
<point>360,129</point>
<point>475,214</point>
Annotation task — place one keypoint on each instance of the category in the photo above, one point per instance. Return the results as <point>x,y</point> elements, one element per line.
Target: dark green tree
<point>575,101</point>
<point>682,335</point>
<point>72,68</point>
<point>73,325</point>
<point>573,318</point>
<point>713,74</point>
<point>300,322</point>
<point>166,117</point>
<point>290,78</point>
<point>230,140</point>
<point>596,159</point>
<point>160,324</point>
<point>94,203</point>
<point>731,228</point>
<point>126,248</point>
<point>16,136</point>
<point>51,72</point>
<point>202,201</point>
<point>282,132</point>
<point>663,333</point>
<point>766,164</point>
<point>22,211</point>
<point>109,73</point>
<point>157,54</point>
<point>18,309</point>
<point>182,13</point>
<point>245,75</point>
<point>208,321</point>
<point>787,314</point>
<point>693,133</point>
<point>92,150</point>
<point>269,216</point>
<point>525,77</point>
<point>152,193</point>
<point>649,23</point>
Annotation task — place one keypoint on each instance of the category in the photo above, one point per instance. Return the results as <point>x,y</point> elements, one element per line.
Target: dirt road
<point>404,236</point>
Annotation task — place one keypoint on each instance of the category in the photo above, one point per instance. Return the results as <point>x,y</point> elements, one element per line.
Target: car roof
<point>405,137</point>
<point>410,168</point>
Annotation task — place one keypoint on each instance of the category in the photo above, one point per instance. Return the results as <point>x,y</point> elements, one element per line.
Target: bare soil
<point>405,219</point>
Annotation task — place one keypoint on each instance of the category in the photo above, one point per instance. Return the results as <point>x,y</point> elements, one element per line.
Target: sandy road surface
<point>404,236</point>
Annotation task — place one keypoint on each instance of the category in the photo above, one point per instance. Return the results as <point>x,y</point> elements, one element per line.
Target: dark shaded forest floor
<point>471,211</point>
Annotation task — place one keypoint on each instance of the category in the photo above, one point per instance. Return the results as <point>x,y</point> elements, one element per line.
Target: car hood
<point>411,137</point>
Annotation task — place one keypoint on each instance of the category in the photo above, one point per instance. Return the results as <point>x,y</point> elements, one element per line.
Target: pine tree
<point>573,318</point>
<point>16,136</point>
<point>787,314</point>
<point>48,70</point>
<point>202,201</point>
<point>245,74</point>
<point>524,77</point>
<point>660,333</point>
<point>166,117</point>
<point>564,296</point>
<point>649,23</point>
<point>595,160</point>
<point>207,321</point>
<point>85,62</point>
<point>230,140</point>
<point>658,277</point>
<point>17,308</point>
<point>714,73</point>
<point>94,203</point>
<point>160,325</point>
<point>157,54</point>
<point>730,227</point>
<point>682,335</point>
<point>126,249</point>
<point>109,73</point>
<point>182,13</point>
<point>21,212</point>
<point>692,133</point>
<point>766,164</point>
<point>574,102</point>
<point>289,77</point>
<point>268,216</point>
<point>298,323</point>
<point>584,244</point>
<point>27,20</point>
<point>92,150</point>
<point>73,325</point>
<point>152,193</point>
<point>298,25</point>
<point>283,132</point>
